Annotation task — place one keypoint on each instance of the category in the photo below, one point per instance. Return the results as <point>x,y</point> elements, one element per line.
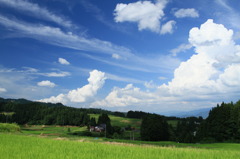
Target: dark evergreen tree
<point>103,119</point>
<point>222,124</point>
<point>136,114</point>
<point>154,128</point>
<point>93,121</point>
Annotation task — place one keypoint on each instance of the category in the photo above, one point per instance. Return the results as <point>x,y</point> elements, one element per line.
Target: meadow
<point>120,121</point>
<point>19,146</point>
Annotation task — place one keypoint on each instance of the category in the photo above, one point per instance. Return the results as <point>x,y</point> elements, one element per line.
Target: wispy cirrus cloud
<point>56,36</point>
<point>180,48</point>
<point>101,17</point>
<point>154,64</point>
<point>33,9</point>
<point>33,71</point>
<point>232,17</point>
<point>21,84</point>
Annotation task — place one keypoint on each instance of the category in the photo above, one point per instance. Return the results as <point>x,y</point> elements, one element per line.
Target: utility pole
<point>105,130</point>
<point>133,134</point>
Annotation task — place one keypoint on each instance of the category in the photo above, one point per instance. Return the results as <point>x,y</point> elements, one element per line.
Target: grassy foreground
<point>18,146</point>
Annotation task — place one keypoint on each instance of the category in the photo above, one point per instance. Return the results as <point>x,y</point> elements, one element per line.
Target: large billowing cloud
<point>96,81</point>
<point>211,74</point>
<point>129,95</point>
<point>217,58</point>
<point>147,14</point>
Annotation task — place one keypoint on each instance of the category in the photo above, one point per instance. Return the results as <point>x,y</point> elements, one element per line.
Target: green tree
<point>105,120</point>
<point>93,121</point>
<point>154,128</point>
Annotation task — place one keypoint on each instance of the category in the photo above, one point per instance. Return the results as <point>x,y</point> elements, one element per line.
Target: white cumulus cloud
<point>211,75</point>
<point>3,90</point>
<point>189,12</point>
<point>96,81</point>
<point>122,97</point>
<point>168,27</point>
<point>215,66</point>
<point>147,14</point>
<point>63,61</point>
<point>46,84</point>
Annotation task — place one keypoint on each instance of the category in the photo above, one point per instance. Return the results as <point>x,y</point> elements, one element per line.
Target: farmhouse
<point>99,128</point>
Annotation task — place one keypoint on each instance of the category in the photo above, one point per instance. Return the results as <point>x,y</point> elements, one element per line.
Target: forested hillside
<point>22,111</point>
<point>222,124</point>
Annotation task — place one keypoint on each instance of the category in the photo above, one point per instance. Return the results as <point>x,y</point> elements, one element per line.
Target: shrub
<point>6,127</point>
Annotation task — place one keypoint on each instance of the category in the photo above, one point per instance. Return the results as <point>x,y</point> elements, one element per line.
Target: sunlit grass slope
<point>120,121</point>
<point>17,146</point>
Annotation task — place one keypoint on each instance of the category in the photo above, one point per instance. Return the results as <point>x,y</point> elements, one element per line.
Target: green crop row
<point>17,146</point>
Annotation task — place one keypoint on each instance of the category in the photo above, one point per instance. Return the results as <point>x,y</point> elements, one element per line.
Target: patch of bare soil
<point>119,143</point>
<point>125,121</point>
<point>60,138</point>
<point>129,144</point>
<point>52,134</point>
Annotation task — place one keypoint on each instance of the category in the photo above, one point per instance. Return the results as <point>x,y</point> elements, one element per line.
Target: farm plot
<point>17,146</point>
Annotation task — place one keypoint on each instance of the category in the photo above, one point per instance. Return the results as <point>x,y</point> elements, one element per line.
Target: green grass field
<point>124,122</point>
<point>120,121</point>
<point>18,146</point>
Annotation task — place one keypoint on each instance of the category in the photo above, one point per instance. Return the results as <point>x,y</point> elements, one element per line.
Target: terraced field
<point>18,146</point>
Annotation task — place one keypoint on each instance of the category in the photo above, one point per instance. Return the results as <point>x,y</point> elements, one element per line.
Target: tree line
<point>222,124</point>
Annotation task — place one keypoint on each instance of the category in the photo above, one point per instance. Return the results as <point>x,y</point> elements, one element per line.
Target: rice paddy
<point>19,146</point>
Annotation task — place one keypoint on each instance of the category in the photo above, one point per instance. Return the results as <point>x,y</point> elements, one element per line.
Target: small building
<point>99,128</point>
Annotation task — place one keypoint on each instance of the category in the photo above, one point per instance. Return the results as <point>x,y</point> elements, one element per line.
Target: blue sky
<point>156,56</point>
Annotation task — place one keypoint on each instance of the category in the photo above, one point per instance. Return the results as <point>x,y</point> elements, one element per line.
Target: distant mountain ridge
<point>196,113</point>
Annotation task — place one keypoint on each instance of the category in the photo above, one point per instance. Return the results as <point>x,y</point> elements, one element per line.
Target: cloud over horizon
<point>213,72</point>
<point>96,81</point>
<point>157,55</point>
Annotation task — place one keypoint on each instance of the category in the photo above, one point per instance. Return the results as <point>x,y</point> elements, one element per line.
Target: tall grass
<point>6,127</point>
<point>16,146</point>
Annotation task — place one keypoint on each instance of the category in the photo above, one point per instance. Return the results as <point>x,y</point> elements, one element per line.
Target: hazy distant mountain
<point>199,112</point>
